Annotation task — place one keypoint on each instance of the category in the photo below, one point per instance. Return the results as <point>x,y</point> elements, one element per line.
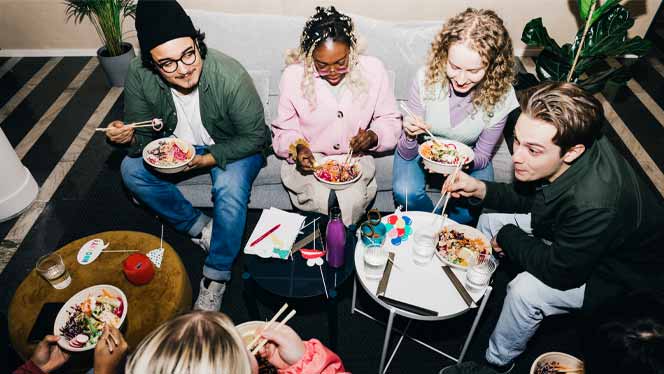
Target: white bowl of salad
<point>168,155</point>
<point>336,175</point>
<point>442,157</point>
<point>81,320</point>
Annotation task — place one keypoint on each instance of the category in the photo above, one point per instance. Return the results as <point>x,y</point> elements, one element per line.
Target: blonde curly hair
<point>327,23</point>
<point>483,31</point>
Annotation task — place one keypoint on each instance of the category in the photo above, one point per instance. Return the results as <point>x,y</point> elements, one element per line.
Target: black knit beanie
<point>158,21</point>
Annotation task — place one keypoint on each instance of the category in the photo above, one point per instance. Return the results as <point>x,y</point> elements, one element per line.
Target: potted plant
<point>603,35</point>
<point>107,16</point>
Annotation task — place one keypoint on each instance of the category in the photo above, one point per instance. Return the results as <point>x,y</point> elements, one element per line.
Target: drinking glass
<point>424,246</point>
<point>375,259</point>
<point>479,274</point>
<point>52,268</point>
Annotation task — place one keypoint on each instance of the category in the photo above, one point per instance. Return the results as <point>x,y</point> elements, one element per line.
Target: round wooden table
<point>167,295</point>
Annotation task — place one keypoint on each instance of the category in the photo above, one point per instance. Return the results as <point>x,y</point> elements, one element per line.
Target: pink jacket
<point>333,123</point>
<point>317,359</point>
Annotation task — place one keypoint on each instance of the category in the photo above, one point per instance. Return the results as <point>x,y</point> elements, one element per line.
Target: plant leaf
<point>608,36</point>
<point>598,81</point>
<point>535,35</point>
<point>551,66</point>
<point>584,8</point>
<point>602,9</point>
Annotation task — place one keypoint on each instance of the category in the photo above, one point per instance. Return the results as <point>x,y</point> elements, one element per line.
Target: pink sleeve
<point>406,147</point>
<point>386,121</point>
<point>286,127</point>
<point>317,359</point>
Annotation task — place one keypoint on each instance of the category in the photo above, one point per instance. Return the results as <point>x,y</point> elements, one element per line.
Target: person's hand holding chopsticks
<point>284,347</point>
<point>464,185</point>
<point>363,141</point>
<point>110,351</point>
<point>414,126</point>
<point>119,133</point>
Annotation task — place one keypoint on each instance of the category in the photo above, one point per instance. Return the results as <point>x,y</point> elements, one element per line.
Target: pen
<point>270,231</point>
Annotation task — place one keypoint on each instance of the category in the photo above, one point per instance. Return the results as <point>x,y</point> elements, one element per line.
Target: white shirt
<point>190,126</point>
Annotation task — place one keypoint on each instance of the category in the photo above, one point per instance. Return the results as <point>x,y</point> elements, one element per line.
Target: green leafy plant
<point>106,16</point>
<point>603,35</point>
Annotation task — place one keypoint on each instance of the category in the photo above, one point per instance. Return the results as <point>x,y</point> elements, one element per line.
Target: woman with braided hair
<point>464,93</point>
<point>332,99</point>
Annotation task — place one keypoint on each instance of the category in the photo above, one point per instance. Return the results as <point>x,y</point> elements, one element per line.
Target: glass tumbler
<point>479,274</point>
<point>424,246</point>
<point>52,268</point>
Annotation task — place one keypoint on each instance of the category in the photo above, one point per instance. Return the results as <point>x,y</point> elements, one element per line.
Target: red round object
<point>138,269</point>
<point>401,232</point>
<point>392,219</point>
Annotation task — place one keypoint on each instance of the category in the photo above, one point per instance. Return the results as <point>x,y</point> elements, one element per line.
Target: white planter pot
<point>116,67</point>
<point>18,189</point>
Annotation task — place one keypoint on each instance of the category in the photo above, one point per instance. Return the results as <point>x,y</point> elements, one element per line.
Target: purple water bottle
<point>335,237</point>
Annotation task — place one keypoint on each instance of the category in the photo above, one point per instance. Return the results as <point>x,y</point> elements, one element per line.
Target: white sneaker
<point>206,237</point>
<point>210,298</point>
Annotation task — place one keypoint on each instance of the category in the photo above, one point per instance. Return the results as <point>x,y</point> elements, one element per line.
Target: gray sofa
<point>243,37</point>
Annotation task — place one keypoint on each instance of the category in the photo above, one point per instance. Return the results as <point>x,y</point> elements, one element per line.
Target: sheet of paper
<point>279,242</point>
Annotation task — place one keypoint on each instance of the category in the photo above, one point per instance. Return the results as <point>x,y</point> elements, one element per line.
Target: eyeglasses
<point>170,66</point>
<point>338,67</point>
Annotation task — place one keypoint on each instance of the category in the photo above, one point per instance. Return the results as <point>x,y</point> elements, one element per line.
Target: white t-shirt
<point>190,126</point>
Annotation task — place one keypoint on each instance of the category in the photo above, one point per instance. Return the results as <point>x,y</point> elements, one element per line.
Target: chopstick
<point>433,138</point>
<point>446,196</point>
<point>132,125</point>
<point>264,341</point>
<point>279,313</point>
<point>580,370</point>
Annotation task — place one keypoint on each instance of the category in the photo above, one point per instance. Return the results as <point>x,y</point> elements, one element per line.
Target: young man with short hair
<point>206,99</point>
<point>588,228</point>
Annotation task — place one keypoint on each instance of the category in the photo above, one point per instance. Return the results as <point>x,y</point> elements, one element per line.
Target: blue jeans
<point>409,176</point>
<point>527,302</point>
<point>230,196</point>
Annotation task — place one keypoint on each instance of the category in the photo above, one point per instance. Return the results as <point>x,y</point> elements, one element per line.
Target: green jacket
<point>231,109</point>
<point>603,221</point>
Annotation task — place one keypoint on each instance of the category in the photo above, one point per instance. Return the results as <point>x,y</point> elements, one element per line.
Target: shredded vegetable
<point>168,153</point>
<point>459,249</point>
<point>335,172</point>
<point>445,153</point>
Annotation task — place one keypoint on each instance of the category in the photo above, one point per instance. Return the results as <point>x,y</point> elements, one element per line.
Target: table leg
<point>352,305</point>
<point>485,298</point>
<point>333,320</point>
<point>249,296</point>
<point>386,343</point>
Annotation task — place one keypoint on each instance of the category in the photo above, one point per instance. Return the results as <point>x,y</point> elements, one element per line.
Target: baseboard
<point>47,52</point>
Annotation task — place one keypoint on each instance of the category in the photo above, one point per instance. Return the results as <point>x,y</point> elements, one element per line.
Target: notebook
<point>279,242</point>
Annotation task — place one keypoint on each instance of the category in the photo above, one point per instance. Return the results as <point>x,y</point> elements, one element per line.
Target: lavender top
<point>460,107</point>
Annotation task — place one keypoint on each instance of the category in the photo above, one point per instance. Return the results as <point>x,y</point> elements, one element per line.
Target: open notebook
<point>280,241</point>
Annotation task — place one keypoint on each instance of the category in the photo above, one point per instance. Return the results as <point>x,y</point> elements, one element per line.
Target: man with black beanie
<point>206,99</point>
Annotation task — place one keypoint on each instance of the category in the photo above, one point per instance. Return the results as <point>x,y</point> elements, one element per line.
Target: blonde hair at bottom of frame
<point>196,342</point>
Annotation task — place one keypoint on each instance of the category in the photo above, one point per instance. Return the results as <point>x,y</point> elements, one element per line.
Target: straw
<point>274,318</point>
<point>264,341</point>
<point>433,138</point>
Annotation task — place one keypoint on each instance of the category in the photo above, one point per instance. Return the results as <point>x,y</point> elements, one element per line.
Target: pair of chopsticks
<point>433,138</point>
<point>349,156</point>
<point>262,342</point>
<point>446,196</point>
<point>157,125</point>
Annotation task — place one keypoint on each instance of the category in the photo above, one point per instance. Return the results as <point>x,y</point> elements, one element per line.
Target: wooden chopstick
<point>264,341</point>
<point>132,125</point>
<point>448,193</point>
<point>433,138</point>
<point>274,318</point>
